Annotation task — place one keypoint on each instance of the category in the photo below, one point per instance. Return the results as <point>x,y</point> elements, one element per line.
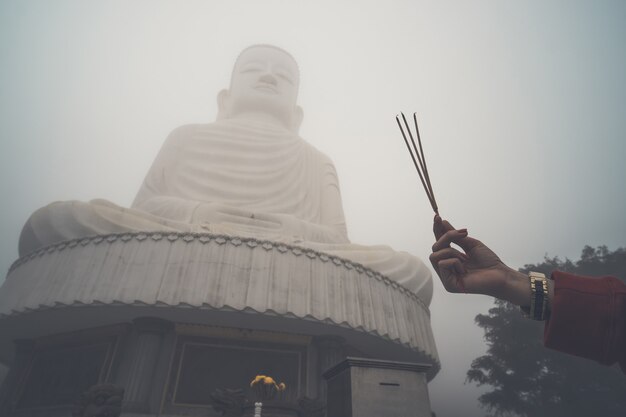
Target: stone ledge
<point>205,238</point>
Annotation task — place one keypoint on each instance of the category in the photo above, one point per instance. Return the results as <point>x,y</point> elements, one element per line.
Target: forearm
<point>588,318</point>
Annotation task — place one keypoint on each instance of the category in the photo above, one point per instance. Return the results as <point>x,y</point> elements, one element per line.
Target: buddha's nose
<point>268,78</point>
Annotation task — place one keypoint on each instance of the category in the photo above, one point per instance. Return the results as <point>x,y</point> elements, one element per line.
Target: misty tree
<point>528,379</point>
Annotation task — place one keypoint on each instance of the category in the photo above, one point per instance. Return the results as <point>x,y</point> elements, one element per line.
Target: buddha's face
<point>264,80</point>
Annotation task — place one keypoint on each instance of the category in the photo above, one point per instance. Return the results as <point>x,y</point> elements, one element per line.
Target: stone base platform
<point>172,317</point>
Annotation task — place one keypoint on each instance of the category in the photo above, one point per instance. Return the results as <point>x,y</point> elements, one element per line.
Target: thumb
<point>440,227</point>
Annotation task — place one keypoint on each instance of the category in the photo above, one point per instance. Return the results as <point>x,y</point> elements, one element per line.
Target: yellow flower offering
<point>257,379</point>
<point>266,388</point>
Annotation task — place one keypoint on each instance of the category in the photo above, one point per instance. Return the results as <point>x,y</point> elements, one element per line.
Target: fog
<point>522,110</point>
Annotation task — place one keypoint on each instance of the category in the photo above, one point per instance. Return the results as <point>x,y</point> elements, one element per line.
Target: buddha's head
<point>264,83</point>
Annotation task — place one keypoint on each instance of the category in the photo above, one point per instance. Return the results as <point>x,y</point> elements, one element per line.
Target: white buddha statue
<point>248,174</point>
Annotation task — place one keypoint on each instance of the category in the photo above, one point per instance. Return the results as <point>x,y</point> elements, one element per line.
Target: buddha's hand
<point>279,226</point>
<point>217,213</point>
<point>479,270</point>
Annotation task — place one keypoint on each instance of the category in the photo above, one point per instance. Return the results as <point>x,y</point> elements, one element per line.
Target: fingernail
<point>462,231</point>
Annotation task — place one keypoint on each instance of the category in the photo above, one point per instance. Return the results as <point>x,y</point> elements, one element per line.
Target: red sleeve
<point>588,318</point>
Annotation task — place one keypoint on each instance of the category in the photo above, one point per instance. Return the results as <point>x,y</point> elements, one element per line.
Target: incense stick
<point>420,162</point>
<point>420,158</point>
<point>426,174</point>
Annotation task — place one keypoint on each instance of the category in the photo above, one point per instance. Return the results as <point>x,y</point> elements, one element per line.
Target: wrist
<point>517,288</point>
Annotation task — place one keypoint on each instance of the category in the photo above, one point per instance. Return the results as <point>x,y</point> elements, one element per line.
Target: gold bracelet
<point>539,300</point>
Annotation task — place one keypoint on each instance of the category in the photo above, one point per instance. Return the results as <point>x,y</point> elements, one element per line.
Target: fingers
<point>469,243</point>
<point>441,227</point>
<point>448,263</point>
<point>450,271</point>
<point>448,237</point>
<point>446,253</point>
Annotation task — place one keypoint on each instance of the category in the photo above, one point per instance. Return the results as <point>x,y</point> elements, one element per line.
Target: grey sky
<point>522,108</point>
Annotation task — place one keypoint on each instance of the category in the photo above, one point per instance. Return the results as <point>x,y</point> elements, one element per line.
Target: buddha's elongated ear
<point>296,121</point>
<point>223,110</point>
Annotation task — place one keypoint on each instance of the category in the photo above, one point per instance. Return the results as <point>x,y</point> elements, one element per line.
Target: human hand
<point>479,270</point>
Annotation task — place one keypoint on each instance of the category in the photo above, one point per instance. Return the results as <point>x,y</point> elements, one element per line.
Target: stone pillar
<point>360,387</point>
<point>330,351</point>
<point>140,362</point>
<point>12,382</point>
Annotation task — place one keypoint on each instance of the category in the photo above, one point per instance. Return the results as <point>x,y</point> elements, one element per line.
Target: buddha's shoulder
<point>188,130</point>
<point>219,128</point>
<point>185,133</point>
<point>320,156</point>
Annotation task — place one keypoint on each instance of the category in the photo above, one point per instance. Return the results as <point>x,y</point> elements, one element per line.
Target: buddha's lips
<point>266,87</point>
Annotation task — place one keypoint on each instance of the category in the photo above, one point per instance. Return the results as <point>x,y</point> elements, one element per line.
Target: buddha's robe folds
<point>238,178</point>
